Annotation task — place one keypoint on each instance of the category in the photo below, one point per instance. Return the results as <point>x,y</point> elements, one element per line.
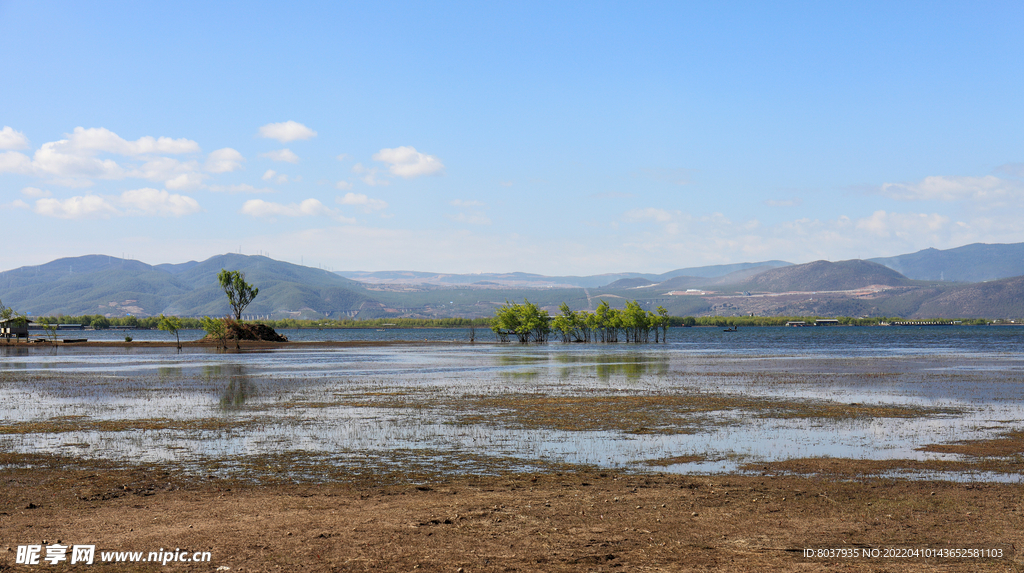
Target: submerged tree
<point>526,321</point>
<point>605,324</point>
<point>663,319</point>
<point>240,293</point>
<point>171,324</point>
<point>571,325</point>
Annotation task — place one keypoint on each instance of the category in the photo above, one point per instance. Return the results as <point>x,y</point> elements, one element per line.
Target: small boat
<point>733,329</point>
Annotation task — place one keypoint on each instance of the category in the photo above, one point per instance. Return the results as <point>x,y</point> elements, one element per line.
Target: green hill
<point>98,284</point>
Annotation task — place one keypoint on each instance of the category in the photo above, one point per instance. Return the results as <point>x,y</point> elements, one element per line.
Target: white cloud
<point>224,161</point>
<point>86,206</point>
<point>137,202</point>
<point>363,201</point>
<point>167,169</point>
<point>185,181</point>
<point>14,162</point>
<point>154,202</point>
<point>659,235</point>
<point>53,159</point>
<point>98,139</point>
<point>10,139</point>
<point>938,188</point>
<point>343,185</point>
<point>903,225</point>
<point>281,155</point>
<point>271,175</point>
<point>342,156</point>
<point>35,192</point>
<point>286,131</point>
<point>407,162</point>
<point>74,161</point>
<point>368,175</point>
<point>473,217</point>
<point>307,208</point>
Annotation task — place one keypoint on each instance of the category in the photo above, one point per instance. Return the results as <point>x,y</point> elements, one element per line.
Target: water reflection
<point>239,388</point>
<point>6,351</point>
<point>167,373</point>
<point>607,366</point>
<point>521,359</point>
<point>236,393</point>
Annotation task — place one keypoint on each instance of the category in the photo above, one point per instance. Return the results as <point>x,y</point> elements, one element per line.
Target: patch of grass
<point>64,424</point>
<point>654,414</point>
<point>665,462</point>
<point>845,467</point>
<point>1009,444</point>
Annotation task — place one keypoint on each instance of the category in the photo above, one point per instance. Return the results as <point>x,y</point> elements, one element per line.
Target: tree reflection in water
<point>239,386</point>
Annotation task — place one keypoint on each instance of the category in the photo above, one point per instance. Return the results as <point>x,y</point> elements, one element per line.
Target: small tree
<point>240,293</point>
<point>171,324</point>
<point>215,328</point>
<point>663,319</point>
<point>49,328</point>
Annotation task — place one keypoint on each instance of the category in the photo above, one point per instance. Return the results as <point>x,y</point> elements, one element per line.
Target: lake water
<point>486,407</point>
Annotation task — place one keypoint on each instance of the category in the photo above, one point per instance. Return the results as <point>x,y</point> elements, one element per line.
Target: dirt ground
<point>568,521</point>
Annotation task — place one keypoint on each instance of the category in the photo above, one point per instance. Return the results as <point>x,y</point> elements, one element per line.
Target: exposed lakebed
<point>707,402</point>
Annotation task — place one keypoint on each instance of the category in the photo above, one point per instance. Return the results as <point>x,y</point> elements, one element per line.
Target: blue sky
<point>556,138</point>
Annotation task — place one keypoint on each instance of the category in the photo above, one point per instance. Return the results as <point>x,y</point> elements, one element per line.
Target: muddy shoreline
<point>516,458</point>
<point>581,520</point>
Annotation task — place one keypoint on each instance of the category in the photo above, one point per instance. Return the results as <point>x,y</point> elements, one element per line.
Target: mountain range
<point>970,263</point>
<point>980,280</point>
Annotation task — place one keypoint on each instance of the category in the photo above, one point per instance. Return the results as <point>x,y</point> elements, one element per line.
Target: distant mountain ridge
<point>100,284</point>
<point>825,275</point>
<point>535,280</point>
<point>971,263</point>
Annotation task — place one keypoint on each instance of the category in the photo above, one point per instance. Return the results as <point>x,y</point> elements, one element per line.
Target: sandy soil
<point>575,521</point>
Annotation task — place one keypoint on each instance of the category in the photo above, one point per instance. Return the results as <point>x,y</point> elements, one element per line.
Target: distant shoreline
<point>244,345</point>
